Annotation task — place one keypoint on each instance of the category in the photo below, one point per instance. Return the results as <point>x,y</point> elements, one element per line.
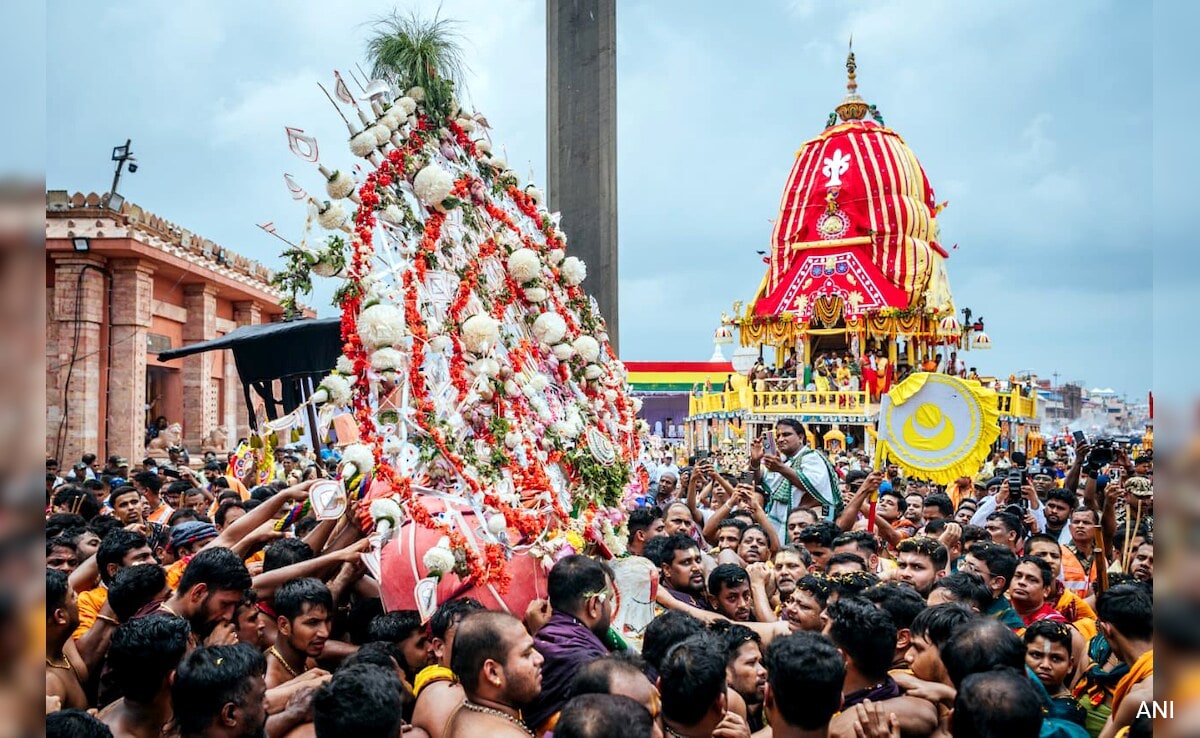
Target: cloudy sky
<point>1031,118</point>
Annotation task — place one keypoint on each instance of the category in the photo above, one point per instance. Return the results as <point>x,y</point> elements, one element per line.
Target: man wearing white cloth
<point>797,477</point>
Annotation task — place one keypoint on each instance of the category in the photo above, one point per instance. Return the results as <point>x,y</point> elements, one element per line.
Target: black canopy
<point>297,353</point>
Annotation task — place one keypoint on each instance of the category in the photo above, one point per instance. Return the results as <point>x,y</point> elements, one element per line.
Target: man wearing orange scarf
<point>1125,616</point>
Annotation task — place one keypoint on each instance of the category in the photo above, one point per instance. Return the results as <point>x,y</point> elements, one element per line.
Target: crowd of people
<point>1013,604</point>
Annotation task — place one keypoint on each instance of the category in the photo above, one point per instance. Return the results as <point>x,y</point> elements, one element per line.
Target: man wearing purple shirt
<point>582,598</point>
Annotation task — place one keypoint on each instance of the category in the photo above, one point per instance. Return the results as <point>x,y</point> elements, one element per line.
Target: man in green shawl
<point>797,477</point>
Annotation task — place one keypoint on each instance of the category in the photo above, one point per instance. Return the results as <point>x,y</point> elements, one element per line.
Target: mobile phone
<point>769,447</point>
<point>747,477</point>
<point>702,454</point>
<point>1079,436</point>
<point>169,472</point>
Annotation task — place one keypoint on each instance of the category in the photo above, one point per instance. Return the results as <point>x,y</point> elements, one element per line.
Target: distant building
<point>122,287</point>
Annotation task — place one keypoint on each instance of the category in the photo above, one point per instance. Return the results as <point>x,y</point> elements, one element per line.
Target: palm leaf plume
<point>421,52</point>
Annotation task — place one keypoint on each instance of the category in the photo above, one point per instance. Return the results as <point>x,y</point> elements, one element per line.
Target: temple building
<point>123,286</point>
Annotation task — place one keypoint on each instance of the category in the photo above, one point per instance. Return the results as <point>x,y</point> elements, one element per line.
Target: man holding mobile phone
<point>796,476</point>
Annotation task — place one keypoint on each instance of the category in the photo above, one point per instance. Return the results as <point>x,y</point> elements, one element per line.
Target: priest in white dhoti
<point>797,476</point>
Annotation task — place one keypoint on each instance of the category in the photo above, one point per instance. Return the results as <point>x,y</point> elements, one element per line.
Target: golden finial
<point>853,107</point>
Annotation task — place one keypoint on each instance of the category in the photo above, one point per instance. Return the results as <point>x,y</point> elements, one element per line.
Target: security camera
<point>132,167</point>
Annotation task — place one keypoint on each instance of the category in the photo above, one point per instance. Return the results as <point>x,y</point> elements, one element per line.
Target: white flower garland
<point>387,359</point>
<point>336,388</point>
<point>332,217</point>
<point>587,348</point>
<point>363,143</point>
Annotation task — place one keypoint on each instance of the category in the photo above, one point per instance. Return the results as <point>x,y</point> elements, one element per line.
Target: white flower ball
<point>332,217</point>
<point>392,214</point>
<point>535,194</point>
<point>433,184</point>
<point>483,148</point>
<point>337,389</point>
<point>392,120</point>
<point>587,348</point>
<point>466,124</point>
<point>440,344</point>
<point>539,382</point>
<point>497,525</point>
<point>573,270</point>
<point>360,456</point>
<point>524,265</point>
<point>480,332</point>
<point>512,439</point>
<point>498,163</point>
<point>563,351</point>
<point>637,404</point>
<point>416,93</point>
<point>438,561</point>
<point>536,294</point>
<point>511,389</point>
<point>610,395</point>
<point>549,328</point>
<point>592,371</point>
<point>556,256</point>
<point>382,133</point>
<point>486,367</point>
<point>407,104</point>
<point>381,325</point>
<point>387,360</point>
<point>344,366</point>
<point>340,186</point>
<point>364,143</point>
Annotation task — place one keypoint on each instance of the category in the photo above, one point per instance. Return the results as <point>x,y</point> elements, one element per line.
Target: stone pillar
<point>199,403</point>
<point>244,313</point>
<point>75,369</point>
<point>581,138</point>
<point>133,288</point>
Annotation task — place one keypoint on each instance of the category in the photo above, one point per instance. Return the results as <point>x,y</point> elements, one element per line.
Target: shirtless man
<point>438,692</point>
<point>500,672</point>
<point>65,670</point>
<point>304,613</point>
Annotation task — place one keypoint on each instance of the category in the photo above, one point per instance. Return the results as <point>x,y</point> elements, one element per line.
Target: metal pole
<point>120,165</point>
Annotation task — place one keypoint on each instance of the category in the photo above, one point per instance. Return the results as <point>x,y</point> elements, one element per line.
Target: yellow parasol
<point>937,427</point>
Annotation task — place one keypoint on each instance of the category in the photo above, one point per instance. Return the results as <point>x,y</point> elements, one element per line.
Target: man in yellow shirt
<point>119,549</point>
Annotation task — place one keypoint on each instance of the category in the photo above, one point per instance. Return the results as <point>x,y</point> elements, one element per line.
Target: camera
<point>1099,456</point>
<point>1016,480</point>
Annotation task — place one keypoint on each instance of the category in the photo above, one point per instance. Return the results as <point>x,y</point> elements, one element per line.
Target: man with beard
<point>921,562</point>
<point>729,534</point>
<point>219,692</point>
<point>729,590</point>
<point>865,544</point>
<point>436,688</point>
<point>303,614</point>
<point>668,485</point>
<point>683,571</point>
<point>744,672</point>
<point>500,672</point>
<point>1142,563</point>
<point>1057,508</point>
<point>582,599</point>
<point>209,591</point>
<point>771,587</point>
<point>797,520</point>
<point>142,658</point>
<point>65,671</point>
<point>250,622</point>
<point>1031,585</point>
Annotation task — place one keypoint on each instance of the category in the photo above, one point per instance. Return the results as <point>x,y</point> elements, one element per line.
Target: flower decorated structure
<point>476,367</point>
